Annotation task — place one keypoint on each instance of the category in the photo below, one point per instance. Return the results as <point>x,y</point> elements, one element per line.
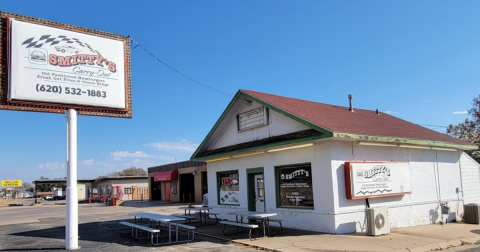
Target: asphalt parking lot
<point>27,227</point>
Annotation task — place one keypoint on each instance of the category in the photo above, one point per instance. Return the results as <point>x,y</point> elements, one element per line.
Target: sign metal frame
<point>6,104</point>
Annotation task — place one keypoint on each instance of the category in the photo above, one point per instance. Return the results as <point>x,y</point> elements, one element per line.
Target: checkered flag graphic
<point>49,40</point>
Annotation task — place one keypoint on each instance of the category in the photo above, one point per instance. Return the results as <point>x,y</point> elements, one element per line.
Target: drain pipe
<point>439,192</point>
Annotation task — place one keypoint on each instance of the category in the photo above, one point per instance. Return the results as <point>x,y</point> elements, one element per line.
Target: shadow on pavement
<point>91,234</point>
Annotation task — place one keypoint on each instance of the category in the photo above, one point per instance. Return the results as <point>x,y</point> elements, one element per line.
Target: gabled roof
<point>339,122</point>
<point>360,122</point>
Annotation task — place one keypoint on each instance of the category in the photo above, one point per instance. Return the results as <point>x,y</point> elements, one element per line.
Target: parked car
<point>48,197</point>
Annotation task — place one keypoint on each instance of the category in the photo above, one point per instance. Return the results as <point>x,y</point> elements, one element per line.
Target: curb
<point>238,242</point>
<point>430,247</point>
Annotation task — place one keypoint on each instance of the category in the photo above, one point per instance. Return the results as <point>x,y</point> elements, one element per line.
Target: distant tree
<point>132,171</point>
<point>28,186</point>
<point>470,129</point>
<point>43,187</point>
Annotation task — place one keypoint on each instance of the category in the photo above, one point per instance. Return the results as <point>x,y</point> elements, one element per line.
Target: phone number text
<point>70,90</point>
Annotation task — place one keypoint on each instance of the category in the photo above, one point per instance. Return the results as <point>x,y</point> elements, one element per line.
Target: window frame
<point>219,185</point>
<point>277,186</point>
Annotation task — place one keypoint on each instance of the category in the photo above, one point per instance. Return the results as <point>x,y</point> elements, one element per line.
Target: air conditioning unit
<point>378,222</point>
<point>471,213</point>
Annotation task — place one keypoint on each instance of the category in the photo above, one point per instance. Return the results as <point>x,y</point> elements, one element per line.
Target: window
<point>127,190</point>
<point>252,119</point>
<point>228,188</point>
<point>261,189</point>
<point>294,186</point>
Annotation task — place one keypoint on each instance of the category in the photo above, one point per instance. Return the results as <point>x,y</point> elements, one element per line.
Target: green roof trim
<point>400,140</point>
<point>225,112</point>
<point>226,154</point>
<point>326,133</point>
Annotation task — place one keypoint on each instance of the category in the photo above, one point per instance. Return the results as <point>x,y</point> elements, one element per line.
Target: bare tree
<point>469,130</point>
<point>132,171</point>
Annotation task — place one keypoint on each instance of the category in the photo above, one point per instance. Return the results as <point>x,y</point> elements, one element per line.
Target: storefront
<point>132,187</point>
<point>128,188</point>
<point>320,166</point>
<point>178,182</point>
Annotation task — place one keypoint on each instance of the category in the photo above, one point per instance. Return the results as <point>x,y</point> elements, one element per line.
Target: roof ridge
<point>327,104</point>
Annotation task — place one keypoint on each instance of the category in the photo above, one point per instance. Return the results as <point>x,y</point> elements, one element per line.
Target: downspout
<point>437,183</point>
<point>461,183</point>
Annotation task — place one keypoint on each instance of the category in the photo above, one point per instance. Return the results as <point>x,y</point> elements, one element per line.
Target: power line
<point>178,72</point>
<point>428,125</point>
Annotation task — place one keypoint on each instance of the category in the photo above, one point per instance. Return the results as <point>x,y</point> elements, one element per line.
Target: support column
<point>71,227</point>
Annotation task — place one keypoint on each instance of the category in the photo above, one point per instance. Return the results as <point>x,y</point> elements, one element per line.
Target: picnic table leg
<point>263,222</point>
<point>169,232</point>
<point>176,233</point>
<point>268,225</point>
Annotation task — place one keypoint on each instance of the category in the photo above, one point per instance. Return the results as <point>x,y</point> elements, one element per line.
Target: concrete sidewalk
<point>420,238</point>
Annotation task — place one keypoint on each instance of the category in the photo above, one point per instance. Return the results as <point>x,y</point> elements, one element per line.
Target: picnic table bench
<point>144,228</point>
<point>186,228</point>
<point>279,221</point>
<point>186,217</point>
<point>239,224</point>
<point>170,220</point>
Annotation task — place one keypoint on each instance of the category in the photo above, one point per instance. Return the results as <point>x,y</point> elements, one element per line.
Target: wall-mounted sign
<point>53,67</point>
<point>11,183</point>
<point>375,179</point>
<point>253,118</point>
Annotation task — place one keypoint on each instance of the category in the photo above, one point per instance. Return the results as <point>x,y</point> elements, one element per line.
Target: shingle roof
<point>361,122</point>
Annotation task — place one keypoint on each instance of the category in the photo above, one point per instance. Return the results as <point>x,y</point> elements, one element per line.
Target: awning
<point>166,175</point>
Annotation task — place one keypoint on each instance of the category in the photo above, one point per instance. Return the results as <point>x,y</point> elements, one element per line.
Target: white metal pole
<point>71,228</point>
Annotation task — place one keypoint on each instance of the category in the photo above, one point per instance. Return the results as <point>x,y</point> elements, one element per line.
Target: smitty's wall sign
<point>374,179</point>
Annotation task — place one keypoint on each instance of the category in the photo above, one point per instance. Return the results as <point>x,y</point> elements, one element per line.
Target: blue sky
<point>417,60</point>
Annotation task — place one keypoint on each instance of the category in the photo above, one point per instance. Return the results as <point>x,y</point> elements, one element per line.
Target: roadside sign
<point>10,183</point>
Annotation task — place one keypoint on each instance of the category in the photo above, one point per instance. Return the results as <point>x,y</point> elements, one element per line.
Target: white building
<point>273,153</point>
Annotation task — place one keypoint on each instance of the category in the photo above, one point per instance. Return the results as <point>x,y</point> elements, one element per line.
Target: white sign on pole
<point>54,65</point>
<point>378,179</point>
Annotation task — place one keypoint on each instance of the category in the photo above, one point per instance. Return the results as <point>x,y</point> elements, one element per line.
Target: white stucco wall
<point>278,125</point>
<point>318,219</point>
<point>470,179</point>
<point>434,177</point>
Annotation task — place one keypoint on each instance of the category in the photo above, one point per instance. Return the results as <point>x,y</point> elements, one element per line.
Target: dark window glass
<point>295,186</point>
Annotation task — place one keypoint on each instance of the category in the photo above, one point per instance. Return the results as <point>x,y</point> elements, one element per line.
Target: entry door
<point>167,192</point>
<point>259,193</point>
